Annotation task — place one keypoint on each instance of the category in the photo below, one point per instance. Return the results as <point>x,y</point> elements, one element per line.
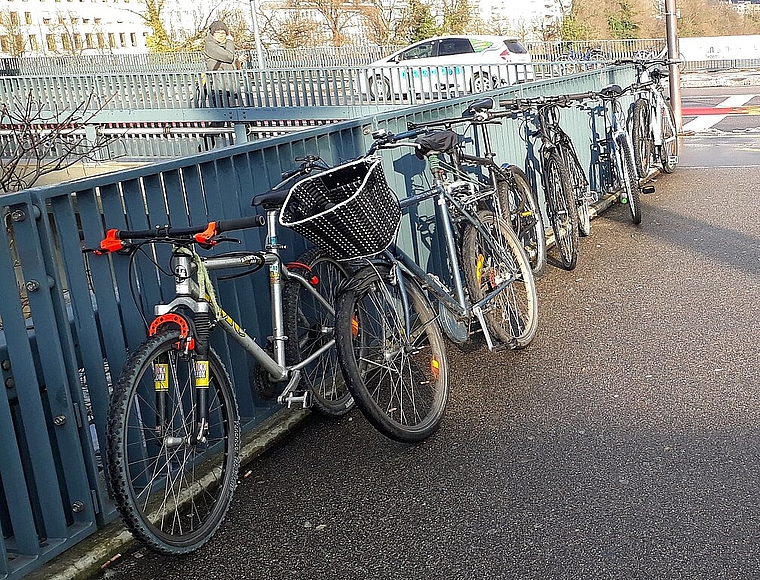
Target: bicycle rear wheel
<point>516,196</point>
<point>669,150</point>
<point>311,325</point>
<point>562,209</point>
<point>171,490</point>
<point>630,179</point>
<point>399,381</point>
<point>512,316</point>
<point>641,136</point>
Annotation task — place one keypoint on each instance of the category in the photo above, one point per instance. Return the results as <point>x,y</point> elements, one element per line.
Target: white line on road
<point>706,121</point>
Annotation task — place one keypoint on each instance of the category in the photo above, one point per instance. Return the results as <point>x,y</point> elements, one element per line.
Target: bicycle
<point>514,199</point>
<point>654,133</point>
<point>617,143</point>
<point>173,430</point>
<point>391,346</point>
<point>566,188</point>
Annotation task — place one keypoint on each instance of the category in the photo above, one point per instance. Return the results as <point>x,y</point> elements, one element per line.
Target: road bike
<point>514,197</point>
<point>390,338</point>
<point>173,430</point>
<point>654,132</point>
<point>566,189</point>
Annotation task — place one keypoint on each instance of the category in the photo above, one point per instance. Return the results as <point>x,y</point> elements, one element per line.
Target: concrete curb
<point>90,556</point>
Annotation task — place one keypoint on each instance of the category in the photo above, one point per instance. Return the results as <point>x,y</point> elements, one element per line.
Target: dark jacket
<point>219,56</point>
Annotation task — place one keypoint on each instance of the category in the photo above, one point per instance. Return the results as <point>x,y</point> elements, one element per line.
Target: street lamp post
<point>673,54</point>
<point>257,34</point>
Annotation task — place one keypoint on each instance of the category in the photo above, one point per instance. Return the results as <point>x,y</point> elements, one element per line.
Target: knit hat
<point>218,25</point>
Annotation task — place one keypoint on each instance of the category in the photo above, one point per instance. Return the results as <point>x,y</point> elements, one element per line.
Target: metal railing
<point>68,332</point>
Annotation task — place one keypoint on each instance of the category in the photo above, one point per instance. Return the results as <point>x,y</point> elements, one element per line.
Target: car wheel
<point>379,88</point>
<point>482,82</point>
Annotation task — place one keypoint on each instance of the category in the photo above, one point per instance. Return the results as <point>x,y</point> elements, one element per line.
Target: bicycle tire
<point>401,389</point>
<point>580,189</point>
<point>641,136</point>
<point>512,316</point>
<point>630,179</point>
<point>310,325</point>
<point>190,485</point>
<point>669,149</point>
<point>517,199</point>
<point>561,208</point>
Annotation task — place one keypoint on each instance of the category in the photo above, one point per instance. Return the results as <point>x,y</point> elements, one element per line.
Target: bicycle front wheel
<point>516,196</point>
<point>641,136</point>
<point>491,261</point>
<point>310,326</point>
<point>562,209</point>
<point>392,354</point>
<point>171,488</point>
<point>669,150</point>
<point>630,179</point>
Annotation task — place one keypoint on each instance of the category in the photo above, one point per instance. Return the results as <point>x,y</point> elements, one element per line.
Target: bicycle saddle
<point>438,142</point>
<point>485,104</point>
<point>611,91</point>
<point>271,199</point>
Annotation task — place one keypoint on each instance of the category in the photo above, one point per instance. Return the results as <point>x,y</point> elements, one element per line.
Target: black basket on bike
<point>348,211</point>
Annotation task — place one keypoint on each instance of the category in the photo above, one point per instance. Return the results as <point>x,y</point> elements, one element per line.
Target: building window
<point>28,17</point>
<point>46,21</point>
<point>5,43</point>
<point>14,18</point>
<point>122,39</point>
<point>89,40</point>
<point>66,42</point>
<point>133,38</point>
<point>98,20</point>
<point>33,42</point>
<point>50,41</point>
<point>78,41</point>
<point>111,40</point>
<point>101,40</point>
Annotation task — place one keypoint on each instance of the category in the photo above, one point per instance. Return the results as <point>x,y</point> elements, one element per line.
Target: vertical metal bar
<point>673,54</point>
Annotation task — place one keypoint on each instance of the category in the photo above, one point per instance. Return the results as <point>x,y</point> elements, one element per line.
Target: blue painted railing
<point>69,320</point>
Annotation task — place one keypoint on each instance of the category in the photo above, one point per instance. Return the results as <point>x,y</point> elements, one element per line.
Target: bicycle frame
<point>454,300</point>
<point>196,293</point>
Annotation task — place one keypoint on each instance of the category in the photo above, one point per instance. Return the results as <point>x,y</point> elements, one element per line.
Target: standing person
<point>219,48</point>
<point>220,56</point>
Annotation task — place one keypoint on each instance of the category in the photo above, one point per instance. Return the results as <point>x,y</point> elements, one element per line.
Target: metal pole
<point>257,34</point>
<point>673,54</point>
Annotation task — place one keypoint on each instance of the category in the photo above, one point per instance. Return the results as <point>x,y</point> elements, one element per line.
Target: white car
<point>449,64</point>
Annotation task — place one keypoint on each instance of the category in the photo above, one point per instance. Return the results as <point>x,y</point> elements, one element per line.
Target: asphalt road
<point>622,443</point>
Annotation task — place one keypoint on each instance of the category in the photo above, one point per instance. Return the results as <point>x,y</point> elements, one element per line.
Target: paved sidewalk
<point>623,443</point>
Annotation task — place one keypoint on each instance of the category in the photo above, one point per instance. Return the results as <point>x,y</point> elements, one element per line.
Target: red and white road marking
<point>710,116</point>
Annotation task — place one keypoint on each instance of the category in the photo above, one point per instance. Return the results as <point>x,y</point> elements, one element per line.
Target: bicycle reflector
<point>111,243</point>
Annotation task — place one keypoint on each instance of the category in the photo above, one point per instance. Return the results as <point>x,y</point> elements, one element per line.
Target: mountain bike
<point>515,199</point>
<point>654,133</point>
<point>566,188</point>
<point>173,431</point>
<point>390,338</point>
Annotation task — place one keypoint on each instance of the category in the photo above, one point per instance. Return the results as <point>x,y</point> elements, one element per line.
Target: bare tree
<point>37,140</point>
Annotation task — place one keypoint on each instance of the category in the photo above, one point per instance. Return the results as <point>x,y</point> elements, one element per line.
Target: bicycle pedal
<point>302,399</point>
<point>647,189</point>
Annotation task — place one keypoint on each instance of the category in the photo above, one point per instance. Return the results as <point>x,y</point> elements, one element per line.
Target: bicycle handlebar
<point>120,240</point>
